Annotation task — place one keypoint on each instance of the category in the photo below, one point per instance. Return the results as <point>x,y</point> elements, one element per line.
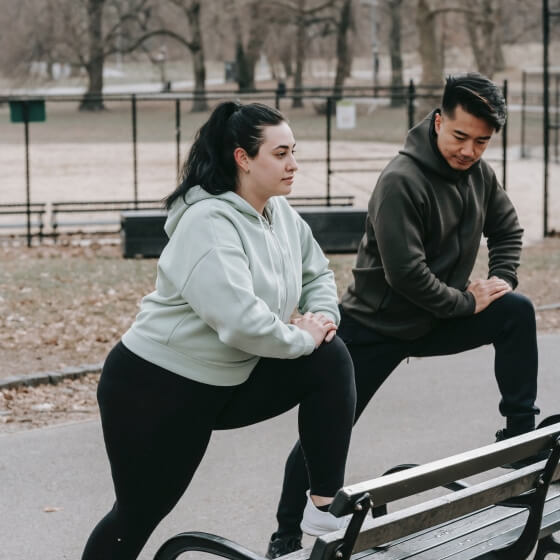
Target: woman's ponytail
<point>210,162</point>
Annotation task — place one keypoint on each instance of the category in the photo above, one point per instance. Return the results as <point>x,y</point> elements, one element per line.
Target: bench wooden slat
<point>437,473</point>
<point>468,536</point>
<point>411,520</point>
<point>491,528</point>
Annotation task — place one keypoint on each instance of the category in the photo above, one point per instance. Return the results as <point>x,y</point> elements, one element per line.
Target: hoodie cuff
<point>309,345</point>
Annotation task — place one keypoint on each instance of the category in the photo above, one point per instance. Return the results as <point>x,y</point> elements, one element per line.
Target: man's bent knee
<point>517,306</point>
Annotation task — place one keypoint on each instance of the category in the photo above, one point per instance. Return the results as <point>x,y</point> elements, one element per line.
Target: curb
<point>52,377</point>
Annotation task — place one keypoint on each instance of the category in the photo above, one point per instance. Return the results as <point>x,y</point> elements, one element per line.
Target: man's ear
<point>437,122</point>
<point>241,159</point>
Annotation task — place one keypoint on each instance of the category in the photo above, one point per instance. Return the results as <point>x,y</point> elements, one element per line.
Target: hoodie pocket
<point>371,287</point>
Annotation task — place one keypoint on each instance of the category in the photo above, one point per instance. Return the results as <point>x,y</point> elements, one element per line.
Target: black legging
<point>508,324</point>
<point>157,425</point>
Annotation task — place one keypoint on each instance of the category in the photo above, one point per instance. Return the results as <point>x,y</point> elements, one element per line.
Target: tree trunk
<point>499,59</point>
<point>485,37</point>
<point>197,51</point>
<point>397,83</point>
<point>297,100</point>
<point>286,59</point>
<point>430,55</point>
<point>480,30</point>
<point>92,100</point>
<point>246,58</point>
<point>244,75</point>
<point>342,49</point>
<point>257,35</point>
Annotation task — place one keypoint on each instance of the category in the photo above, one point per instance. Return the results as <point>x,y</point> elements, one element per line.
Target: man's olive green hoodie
<point>424,228</point>
<point>227,283</point>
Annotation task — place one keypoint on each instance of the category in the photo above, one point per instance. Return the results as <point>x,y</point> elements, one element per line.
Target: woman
<point>210,345</point>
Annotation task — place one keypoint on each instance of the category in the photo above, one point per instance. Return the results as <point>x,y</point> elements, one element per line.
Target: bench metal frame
<point>491,513</point>
<point>109,208</point>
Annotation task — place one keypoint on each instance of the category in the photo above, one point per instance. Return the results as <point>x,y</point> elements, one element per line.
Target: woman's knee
<point>333,357</point>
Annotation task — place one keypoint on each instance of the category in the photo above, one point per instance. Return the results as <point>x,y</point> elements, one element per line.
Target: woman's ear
<point>241,159</point>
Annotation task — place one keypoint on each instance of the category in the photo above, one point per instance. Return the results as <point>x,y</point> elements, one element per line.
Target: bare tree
<point>430,53</point>
<point>343,50</point>
<point>397,83</point>
<point>484,28</point>
<point>430,48</point>
<point>247,52</point>
<point>94,63</point>
<point>127,18</point>
<point>307,18</point>
<point>192,40</point>
<point>31,31</point>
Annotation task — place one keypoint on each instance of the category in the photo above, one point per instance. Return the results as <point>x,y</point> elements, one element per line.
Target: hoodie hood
<point>427,154</point>
<point>197,194</point>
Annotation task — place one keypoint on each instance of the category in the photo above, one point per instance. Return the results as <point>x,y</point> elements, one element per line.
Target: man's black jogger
<point>508,323</point>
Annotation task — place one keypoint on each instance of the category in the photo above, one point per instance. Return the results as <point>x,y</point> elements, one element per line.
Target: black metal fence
<point>533,118</point>
<point>384,115</point>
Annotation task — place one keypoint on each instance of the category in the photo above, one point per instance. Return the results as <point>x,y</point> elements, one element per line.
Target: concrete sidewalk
<point>429,408</point>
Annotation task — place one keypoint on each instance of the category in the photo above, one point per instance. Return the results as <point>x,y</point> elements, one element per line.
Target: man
<point>411,293</point>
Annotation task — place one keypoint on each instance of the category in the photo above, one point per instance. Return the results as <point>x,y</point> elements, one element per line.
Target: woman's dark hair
<point>210,162</point>
<point>478,96</point>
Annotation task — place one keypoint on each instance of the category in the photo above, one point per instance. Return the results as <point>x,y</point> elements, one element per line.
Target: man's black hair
<point>478,96</point>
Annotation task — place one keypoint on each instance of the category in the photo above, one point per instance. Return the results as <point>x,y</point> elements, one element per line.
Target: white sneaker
<point>316,522</point>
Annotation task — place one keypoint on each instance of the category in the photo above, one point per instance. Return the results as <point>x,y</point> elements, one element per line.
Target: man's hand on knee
<point>486,291</point>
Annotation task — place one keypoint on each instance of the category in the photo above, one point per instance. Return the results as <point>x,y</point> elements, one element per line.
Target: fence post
<point>411,97</point>
<point>329,171</point>
<point>280,92</point>
<point>523,110</point>
<point>546,123</point>
<point>557,120</point>
<point>134,154</point>
<point>504,140</point>
<point>25,108</point>
<point>178,133</point>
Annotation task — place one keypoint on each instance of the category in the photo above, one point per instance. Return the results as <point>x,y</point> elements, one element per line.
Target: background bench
<point>338,229</point>
<point>13,218</point>
<point>501,517</point>
<point>87,217</point>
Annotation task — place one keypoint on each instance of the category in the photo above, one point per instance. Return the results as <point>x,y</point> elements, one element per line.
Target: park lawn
<point>64,306</point>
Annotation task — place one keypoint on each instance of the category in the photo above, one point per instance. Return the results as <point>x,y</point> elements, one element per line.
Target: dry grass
<point>66,306</point>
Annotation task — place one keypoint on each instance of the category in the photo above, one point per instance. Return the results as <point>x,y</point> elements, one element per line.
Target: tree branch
<point>157,32</point>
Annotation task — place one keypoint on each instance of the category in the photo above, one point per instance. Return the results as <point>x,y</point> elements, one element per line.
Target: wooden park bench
<point>502,517</point>
<point>338,228</point>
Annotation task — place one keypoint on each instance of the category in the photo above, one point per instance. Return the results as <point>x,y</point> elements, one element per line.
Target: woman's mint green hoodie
<point>227,283</point>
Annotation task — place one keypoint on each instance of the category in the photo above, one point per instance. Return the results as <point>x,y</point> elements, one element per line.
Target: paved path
<point>428,409</point>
